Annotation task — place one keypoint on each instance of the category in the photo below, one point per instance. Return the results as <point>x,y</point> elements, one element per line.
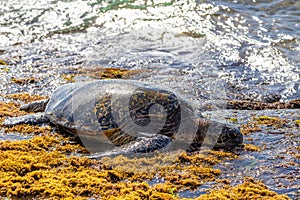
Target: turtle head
<point>216,135</point>
<point>229,138</point>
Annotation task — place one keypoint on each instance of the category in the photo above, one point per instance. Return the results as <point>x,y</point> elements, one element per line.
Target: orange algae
<point>189,177</point>
<point>41,143</point>
<point>297,156</point>
<point>29,168</point>
<point>28,129</point>
<point>102,73</point>
<point>41,168</point>
<point>22,81</point>
<point>180,173</point>
<point>255,124</point>
<point>250,189</point>
<point>113,73</point>
<point>10,109</point>
<point>69,77</point>
<point>190,171</point>
<point>24,97</point>
<point>250,127</point>
<point>2,62</point>
<point>207,157</point>
<point>250,147</point>
<point>109,73</point>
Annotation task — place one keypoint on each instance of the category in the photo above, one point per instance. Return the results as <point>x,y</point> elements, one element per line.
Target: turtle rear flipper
<point>142,146</point>
<point>35,106</point>
<point>32,119</point>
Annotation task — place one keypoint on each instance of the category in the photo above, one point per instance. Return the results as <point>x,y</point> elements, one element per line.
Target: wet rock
<point>258,105</point>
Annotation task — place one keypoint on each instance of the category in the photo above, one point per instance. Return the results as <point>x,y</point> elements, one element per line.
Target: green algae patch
<point>233,120</point>
<point>265,119</point>
<point>273,121</point>
<point>250,189</point>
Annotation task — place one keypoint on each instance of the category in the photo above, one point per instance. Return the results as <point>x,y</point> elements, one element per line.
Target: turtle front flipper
<point>32,119</point>
<point>142,146</point>
<point>35,106</point>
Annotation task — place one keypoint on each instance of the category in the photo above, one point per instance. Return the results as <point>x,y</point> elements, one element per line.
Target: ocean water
<point>208,51</point>
<point>249,49</point>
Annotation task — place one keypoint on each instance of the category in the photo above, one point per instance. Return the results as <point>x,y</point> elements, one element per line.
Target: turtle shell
<point>115,112</point>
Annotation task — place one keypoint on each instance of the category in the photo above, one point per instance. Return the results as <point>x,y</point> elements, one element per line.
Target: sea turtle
<point>122,117</point>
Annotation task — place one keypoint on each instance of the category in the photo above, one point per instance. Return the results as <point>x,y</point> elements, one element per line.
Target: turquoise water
<point>209,51</point>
